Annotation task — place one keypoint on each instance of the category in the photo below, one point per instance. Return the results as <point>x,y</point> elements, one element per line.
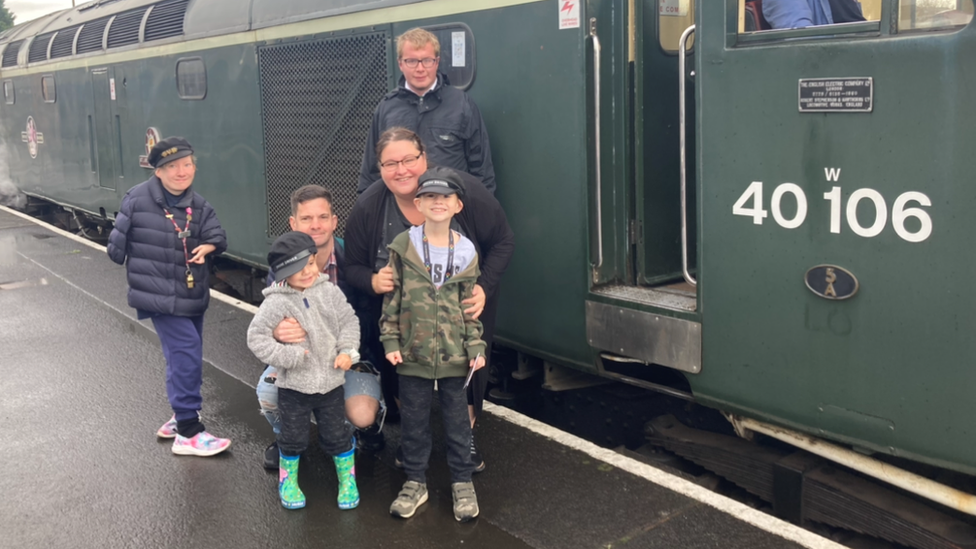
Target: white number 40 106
<point>899,212</point>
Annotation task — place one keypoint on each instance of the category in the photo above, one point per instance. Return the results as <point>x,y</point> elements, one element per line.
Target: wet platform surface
<point>83,394</point>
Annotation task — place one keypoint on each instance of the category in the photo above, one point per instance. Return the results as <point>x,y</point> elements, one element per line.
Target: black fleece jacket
<point>482,220</point>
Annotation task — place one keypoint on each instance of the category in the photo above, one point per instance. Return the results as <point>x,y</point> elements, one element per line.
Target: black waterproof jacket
<point>156,266</point>
<point>447,121</point>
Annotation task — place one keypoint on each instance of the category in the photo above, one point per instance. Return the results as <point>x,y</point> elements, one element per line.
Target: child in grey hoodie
<point>311,373</point>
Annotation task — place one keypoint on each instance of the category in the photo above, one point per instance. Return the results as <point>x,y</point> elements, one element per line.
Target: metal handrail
<point>596,137</point>
<point>682,51</point>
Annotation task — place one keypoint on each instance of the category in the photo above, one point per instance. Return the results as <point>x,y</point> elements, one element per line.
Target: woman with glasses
<point>386,209</point>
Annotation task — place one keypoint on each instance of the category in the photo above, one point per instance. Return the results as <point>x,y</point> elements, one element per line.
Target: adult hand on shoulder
<point>343,361</point>
<point>200,253</point>
<point>394,358</point>
<point>288,331</point>
<point>383,281</point>
<point>476,302</point>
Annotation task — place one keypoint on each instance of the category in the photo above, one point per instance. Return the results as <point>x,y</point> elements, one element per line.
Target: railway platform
<point>83,394</point>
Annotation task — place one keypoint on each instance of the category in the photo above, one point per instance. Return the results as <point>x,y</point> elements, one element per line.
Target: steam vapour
<point>10,195</point>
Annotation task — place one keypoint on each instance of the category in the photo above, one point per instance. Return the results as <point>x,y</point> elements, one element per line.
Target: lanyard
<point>182,235</point>
<point>450,253</point>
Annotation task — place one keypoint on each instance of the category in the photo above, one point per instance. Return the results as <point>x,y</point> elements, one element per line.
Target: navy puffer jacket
<point>156,267</point>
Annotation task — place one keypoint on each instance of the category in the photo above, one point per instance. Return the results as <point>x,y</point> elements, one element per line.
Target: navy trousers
<point>182,341</point>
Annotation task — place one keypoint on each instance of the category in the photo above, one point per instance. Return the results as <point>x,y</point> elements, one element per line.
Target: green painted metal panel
<point>890,368</point>
<point>103,120</point>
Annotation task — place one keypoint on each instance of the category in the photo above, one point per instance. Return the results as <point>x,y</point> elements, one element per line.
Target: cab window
<point>840,16</point>
<point>933,14</point>
<point>674,16</point>
<point>762,15</point>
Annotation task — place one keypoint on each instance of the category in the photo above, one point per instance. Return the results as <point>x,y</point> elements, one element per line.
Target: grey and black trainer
<point>465,501</point>
<point>411,496</point>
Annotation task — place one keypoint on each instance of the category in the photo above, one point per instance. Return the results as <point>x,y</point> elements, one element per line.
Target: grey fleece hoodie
<point>329,322</point>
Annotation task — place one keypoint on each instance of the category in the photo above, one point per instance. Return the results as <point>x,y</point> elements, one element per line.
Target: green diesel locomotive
<point>773,216</point>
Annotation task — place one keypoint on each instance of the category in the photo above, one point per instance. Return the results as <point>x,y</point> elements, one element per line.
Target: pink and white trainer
<point>168,430</point>
<point>202,444</point>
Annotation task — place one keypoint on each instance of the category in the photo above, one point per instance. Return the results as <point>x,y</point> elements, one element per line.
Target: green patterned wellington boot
<point>289,492</point>
<point>346,471</point>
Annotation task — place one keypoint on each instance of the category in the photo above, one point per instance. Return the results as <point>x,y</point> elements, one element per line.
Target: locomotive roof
<point>202,18</point>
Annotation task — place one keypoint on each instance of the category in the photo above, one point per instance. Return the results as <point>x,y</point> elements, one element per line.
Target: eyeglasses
<point>407,162</point>
<point>427,62</point>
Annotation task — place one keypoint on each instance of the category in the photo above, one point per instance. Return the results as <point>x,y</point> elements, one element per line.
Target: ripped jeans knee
<point>267,393</point>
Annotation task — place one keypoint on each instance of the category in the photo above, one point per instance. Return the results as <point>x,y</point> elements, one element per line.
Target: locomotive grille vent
<point>166,20</point>
<point>10,54</point>
<point>317,102</point>
<point>63,42</point>
<point>125,28</point>
<point>38,48</point>
<point>90,38</point>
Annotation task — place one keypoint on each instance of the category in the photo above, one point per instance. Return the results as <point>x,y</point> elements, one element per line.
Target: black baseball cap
<point>168,150</point>
<point>441,180</point>
<point>289,254</point>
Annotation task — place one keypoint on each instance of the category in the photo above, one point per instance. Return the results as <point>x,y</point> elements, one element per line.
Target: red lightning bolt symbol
<point>567,7</point>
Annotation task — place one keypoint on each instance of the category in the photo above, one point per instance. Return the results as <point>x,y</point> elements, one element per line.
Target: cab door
<point>103,129</point>
<point>658,222</point>
<point>636,202</point>
<point>829,153</point>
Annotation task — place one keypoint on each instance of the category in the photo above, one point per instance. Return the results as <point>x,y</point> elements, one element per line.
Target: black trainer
<point>398,460</point>
<point>271,456</point>
<point>479,462</point>
<point>371,439</point>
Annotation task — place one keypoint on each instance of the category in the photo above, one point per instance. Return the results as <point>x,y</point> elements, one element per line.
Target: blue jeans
<point>416,399</point>
<point>357,383</point>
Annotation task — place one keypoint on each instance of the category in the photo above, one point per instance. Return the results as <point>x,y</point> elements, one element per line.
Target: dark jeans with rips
<point>335,435</point>
<point>416,399</point>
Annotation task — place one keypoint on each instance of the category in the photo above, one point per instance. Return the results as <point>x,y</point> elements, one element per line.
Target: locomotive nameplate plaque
<point>831,282</point>
<point>850,94</point>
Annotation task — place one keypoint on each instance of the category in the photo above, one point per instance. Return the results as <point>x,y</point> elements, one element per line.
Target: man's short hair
<point>310,192</point>
<point>418,38</point>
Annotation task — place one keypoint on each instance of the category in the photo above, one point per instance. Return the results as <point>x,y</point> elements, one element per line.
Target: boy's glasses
<point>427,62</point>
<point>407,162</point>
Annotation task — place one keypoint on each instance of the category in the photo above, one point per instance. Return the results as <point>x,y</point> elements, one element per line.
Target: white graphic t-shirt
<point>464,254</point>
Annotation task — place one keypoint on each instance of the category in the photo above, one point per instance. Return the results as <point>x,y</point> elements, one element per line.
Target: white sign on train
<point>674,8</point>
<point>569,17</point>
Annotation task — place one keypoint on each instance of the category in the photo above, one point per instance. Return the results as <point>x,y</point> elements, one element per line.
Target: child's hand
<point>394,358</point>
<point>343,362</point>
<point>478,363</point>
<point>200,253</point>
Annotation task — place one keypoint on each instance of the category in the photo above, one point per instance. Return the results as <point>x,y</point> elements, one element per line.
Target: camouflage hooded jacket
<point>425,323</point>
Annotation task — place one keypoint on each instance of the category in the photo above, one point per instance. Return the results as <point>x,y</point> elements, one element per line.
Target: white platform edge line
<point>677,484</point>
<point>742,512</point>
<point>82,240</point>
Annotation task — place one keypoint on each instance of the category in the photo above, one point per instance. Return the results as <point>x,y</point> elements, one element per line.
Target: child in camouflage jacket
<point>426,335</point>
